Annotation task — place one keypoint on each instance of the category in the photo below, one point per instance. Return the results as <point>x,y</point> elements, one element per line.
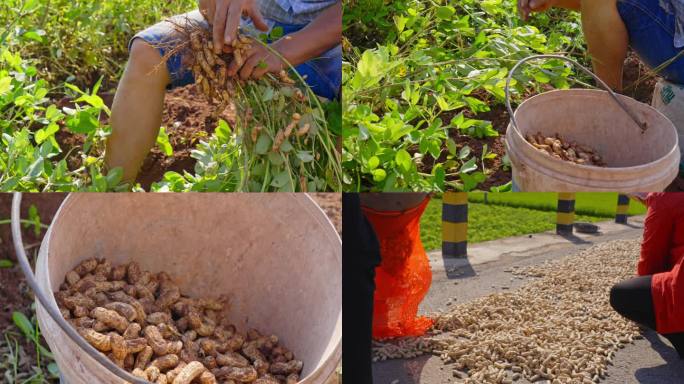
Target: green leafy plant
<point>418,74</point>
<point>31,158</point>
<point>53,123</point>
<point>18,369</point>
<point>81,40</point>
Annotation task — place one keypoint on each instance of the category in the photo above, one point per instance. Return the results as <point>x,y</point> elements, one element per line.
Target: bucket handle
<point>642,125</point>
<point>53,311</point>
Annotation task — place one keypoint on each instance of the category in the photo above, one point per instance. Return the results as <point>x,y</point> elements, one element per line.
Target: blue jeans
<point>322,74</point>
<point>651,35</point>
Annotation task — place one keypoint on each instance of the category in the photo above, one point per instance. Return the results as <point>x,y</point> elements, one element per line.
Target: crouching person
<point>655,299</point>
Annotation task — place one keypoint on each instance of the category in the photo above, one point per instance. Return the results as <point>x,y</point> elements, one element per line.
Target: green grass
<point>534,213</point>
<point>593,204</point>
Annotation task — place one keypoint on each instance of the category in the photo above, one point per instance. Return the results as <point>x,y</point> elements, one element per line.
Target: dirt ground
<point>331,203</point>
<point>15,295</point>
<point>187,119</point>
<point>13,290</point>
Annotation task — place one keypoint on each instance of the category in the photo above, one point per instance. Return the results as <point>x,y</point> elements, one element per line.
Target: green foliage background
<point>415,71</point>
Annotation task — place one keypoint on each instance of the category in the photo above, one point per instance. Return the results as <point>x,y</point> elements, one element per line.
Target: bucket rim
<point>600,170</point>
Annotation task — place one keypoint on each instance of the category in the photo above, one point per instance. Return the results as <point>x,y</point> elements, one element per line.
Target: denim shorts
<point>651,35</point>
<point>323,74</point>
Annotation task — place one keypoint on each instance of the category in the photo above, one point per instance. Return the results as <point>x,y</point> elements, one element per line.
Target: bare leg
<point>137,110</point>
<point>607,39</point>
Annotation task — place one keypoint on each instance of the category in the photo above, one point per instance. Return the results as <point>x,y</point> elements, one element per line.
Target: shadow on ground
<point>673,367</point>
<point>400,371</point>
<point>571,237</point>
<point>458,268</point>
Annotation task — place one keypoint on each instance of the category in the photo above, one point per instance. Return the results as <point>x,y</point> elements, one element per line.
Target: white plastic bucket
<point>637,160</point>
<point>276,256</point>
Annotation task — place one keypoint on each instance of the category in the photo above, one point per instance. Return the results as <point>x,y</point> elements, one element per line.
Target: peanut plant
<point>417,75</point>
<point>54,121</point>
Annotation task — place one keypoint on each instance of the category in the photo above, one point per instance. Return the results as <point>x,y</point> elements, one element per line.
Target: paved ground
<point>648,361</point>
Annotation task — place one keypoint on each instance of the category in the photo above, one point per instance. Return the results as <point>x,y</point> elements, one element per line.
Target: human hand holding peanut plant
<point>292,50</point>
<point>280,127</point>
<point>224,16</point>
<point>260,60</point>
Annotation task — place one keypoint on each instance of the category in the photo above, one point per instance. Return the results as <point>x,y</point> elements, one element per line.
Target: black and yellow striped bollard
<point>455,224</point>
<point>622,209</point>
<point>566,213</point>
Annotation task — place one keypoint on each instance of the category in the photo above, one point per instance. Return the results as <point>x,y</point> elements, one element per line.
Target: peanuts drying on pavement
<point>559,327</point>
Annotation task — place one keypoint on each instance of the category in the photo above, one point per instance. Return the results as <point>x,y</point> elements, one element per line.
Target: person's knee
<point>146,60</point>
<point>617,298</point>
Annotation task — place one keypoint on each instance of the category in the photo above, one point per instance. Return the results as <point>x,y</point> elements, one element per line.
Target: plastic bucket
<point>638,161</point>
<point>276,256</point>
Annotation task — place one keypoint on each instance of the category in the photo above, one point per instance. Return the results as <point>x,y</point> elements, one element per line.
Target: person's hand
<point>224,17</point>
<point>258,61</point>
<point>208,9</point>
<point>525,7</point>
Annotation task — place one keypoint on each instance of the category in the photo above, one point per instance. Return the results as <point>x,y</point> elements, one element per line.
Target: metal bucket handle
<point>642,125</point>
<point>53,311</point>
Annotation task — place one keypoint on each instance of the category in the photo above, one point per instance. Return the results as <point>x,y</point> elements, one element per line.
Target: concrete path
<point>648,361</point>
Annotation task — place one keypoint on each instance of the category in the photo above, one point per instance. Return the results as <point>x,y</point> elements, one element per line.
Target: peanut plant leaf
<point>24,324</point>
<point>163,142</point>
<point>403,160</point>
<point>445,12</point>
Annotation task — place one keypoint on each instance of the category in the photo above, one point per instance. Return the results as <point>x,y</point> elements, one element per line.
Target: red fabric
<point>662,255</point>
<point>403,277</point>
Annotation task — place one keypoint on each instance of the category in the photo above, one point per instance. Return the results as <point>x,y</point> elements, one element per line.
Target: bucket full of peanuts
<point>589,140</point>
<point>191,288</point>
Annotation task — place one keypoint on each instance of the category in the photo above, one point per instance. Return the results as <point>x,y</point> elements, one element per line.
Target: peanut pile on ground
<point>559,328</point>
<point>566,150</point>
<point>146,326</point>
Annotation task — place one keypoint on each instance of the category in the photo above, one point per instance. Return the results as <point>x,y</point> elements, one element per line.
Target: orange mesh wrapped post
<point>403,277</point>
